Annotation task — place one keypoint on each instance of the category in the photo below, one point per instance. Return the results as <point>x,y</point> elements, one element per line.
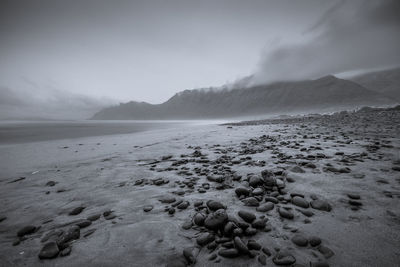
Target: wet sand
<point>317,190</point>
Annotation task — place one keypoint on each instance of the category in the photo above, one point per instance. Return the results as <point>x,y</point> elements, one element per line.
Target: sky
<point>117,51</point>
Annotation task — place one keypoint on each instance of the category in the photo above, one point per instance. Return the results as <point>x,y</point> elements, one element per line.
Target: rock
<point>199,218</point>
<point>255,181</point>
<point>94,217</point>
<point>29,229</point>
<point>148,208</point>
<point>204,239</point>
<point>198,203</point>
<point>307,213</point>
<point>300,240</point>
<point>240,245</point>
<point>76,211</point>
<point>49,251</point>
<point>70,234</point>
<point>354,196</point>
<point>167,199</point>
<point>188,254</point>
<point>171,211</point>
<point>184,205</point>
<point>83,223</point>
<point>314,241</point>
<point>258,191</point>
<point>247,216</point>
<point>65,252</point>
<point>269,179</point>
<point>215,205</point>
<point>252,244</point>
<point>216,220</point>
<point>297,169</point>
<point>284,258</point>
<point>89,232</point>
<point>262,259</point>
<point>271,199</point>
<point>250,231</point>
<point>355,202</point>
<point>300,202</point>
<point>228,253</point>
<point>285,213</point>
<point>187,225</point>
<point>319,204</point>
<point>327,252</point>
<point>251,202</point>
<point>266,251</point>
<point>319,264</point>
<point>265,207</point>
<point>259,223</point>
<point>50,183</point>
<point>229,226</point>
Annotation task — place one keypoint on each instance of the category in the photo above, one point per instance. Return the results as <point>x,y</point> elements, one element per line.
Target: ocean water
<point>16,132</point>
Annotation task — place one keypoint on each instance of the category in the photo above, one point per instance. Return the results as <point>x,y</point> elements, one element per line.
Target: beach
<point>309,190</point>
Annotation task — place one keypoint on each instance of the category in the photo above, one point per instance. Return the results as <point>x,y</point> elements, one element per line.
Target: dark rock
<point>252,244</point>
<point>355,202</point>
<point>2,218</point>
<point>354,196</point>
<point>188,254</point>
<point>258,191</point>
<point>148,208</point>
<point>271,199</point>
<point>319,264</point>
<point>187,225</point>
<point>216,220</point>
<point>65,252</point>
<point>240,245</point>
<point>255,181</point>
<point>76,211</point>
<point>307,213</point>
<point>262,259</point>
<point>250,231</point>
<point>319,204</point>
<point>228,253</point>
<point>251,202</point>
<point>29,229</point>
<point>314,241</point>
<point>285,213</point>
<point>184,205</point>
<point>300,202</point>
<point>49,251</point>
<point>70,234</point>
<point>94,217</point>
<point>199,218</point>
<point>259,223</point>
<point>265,207</point>
<point>167,199</point>
<point>89,232</point>
<point>171,210</point>
<point>215,205</point>
<point>247,216</point>
<point>204,239</point>
<point>284,258</point>
<point>50,183</point>
<point>83,223</point>
<point>327,252</point>
<point>297,169</point>
<point>300,240</point>
<point>266,251</point>
<point>269,179</point>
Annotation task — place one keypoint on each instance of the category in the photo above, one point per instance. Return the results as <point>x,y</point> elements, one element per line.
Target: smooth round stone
<point>355,202</point>
<point>148,208</point>
<point>240,245</point>
<point>269,179</point>
<point>284,258</point>
<point>83,223</point>
<point>315,241</point>
<point>215,205</point>
<point>300,202</point>
<point>167,199</point>
<point>252,244</point>
<point>216,220</point>
<point>50,250</point>
<point>229,228</point>
<point>247,216</point>
<point>300,240</point>
<point>198,203</point>
<point>258,191</point>
<point>228,253</point>
<point>255,181</point>
<point>327,252</point>
<point>184,205</point>
<point>285,213</point>
<point>65,252</point>
<point>354,196</point>
<point>241,191</point>
<point>187,225</point>
<point>199,218</point>
<point>204,239</point>
<point>76,211</point>
<point>259,223</point>
<point>29,229</point>
<point>250,231</point>
<point>94,217</point>
<point>70,234</point>
<point>271,199</point>
<point>262,259</point>
<point>265,207</point>
<point>319,204</point>
<point>251,202</point>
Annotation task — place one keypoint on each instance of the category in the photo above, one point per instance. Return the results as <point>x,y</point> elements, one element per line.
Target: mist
<point>349,36</point>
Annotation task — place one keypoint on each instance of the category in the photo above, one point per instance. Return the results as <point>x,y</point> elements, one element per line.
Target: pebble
<point>327,252</point>
<point>314,241</point>
<point>300,240</point>
<point>83,223</point>
<point>167,199</point>
<point>148,208</point>
<point>262,259</point>
<point>76,211</point>
<point>228,253</point>
<point>216,220</point>
<point>252,244</point>
<point>29,229</point>
<point>285,213</point>
<point>251,202</point>
<point>284,258</point>
<point>187,225</point>
<point>66,251</point>
<point>319,204</point>
<point>300,202</point>
<point>184,205</point>
<point>240,245</point>
<point>49,250</point>
<point>94,217</point>
<point>255,181</point>
<point>247,216</point>
<point>265,207</point>
<point>204,239</point>
<point>71,233</point>
<point>215,205</point>
<point>354,196</point>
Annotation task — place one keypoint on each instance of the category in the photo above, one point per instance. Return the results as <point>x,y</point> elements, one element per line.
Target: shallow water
<point>15,132</point>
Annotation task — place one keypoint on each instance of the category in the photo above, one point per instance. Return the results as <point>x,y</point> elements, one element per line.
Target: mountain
<point>325,94</point>
<point>386,82</point>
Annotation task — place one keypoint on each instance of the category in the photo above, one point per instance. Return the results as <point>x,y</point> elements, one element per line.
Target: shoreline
<point>136,173</point>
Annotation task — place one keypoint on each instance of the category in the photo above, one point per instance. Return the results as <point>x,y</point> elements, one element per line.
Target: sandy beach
<point>310,191</point>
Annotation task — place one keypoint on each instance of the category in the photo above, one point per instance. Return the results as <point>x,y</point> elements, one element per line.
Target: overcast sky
<point>148,50</point>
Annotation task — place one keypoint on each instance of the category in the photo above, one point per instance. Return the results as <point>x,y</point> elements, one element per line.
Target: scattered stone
<point>215,205</point>
<point>94,217</point>
<point>50,183</point>
<point>204,239</point>
<point>83,223</point>
<point>199,218</point>
<point>27,230</point>
<point>184,205</point>
<point>65,252</point>
<point>167,199</point>
<point>49,251</point>
<point>262,259</point>
<point>285,213</point>
<point>240,245</point>
<point>70,234</point>
<point>265,207</point>
<point>228,253</point>
<point>148,208</point>
<point>319,204</point>
<point>315,241</point>
<point>216,220</point>
<point>354,196</point>
<point>251,202</point>
<point>187,225</point>
<point>76,211</point>
<point>284,258</point>
<point>247,216</point>
<point>300,202</point>
<point>252,244</point>
<point>300,240</point>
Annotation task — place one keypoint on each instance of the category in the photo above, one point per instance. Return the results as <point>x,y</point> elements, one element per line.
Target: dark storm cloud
<point>350,35</point>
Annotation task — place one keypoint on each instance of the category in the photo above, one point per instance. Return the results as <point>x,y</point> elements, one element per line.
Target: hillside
<point>325,94</point>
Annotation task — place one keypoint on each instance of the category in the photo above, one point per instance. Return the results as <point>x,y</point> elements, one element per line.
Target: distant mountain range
<point>325,94</point>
